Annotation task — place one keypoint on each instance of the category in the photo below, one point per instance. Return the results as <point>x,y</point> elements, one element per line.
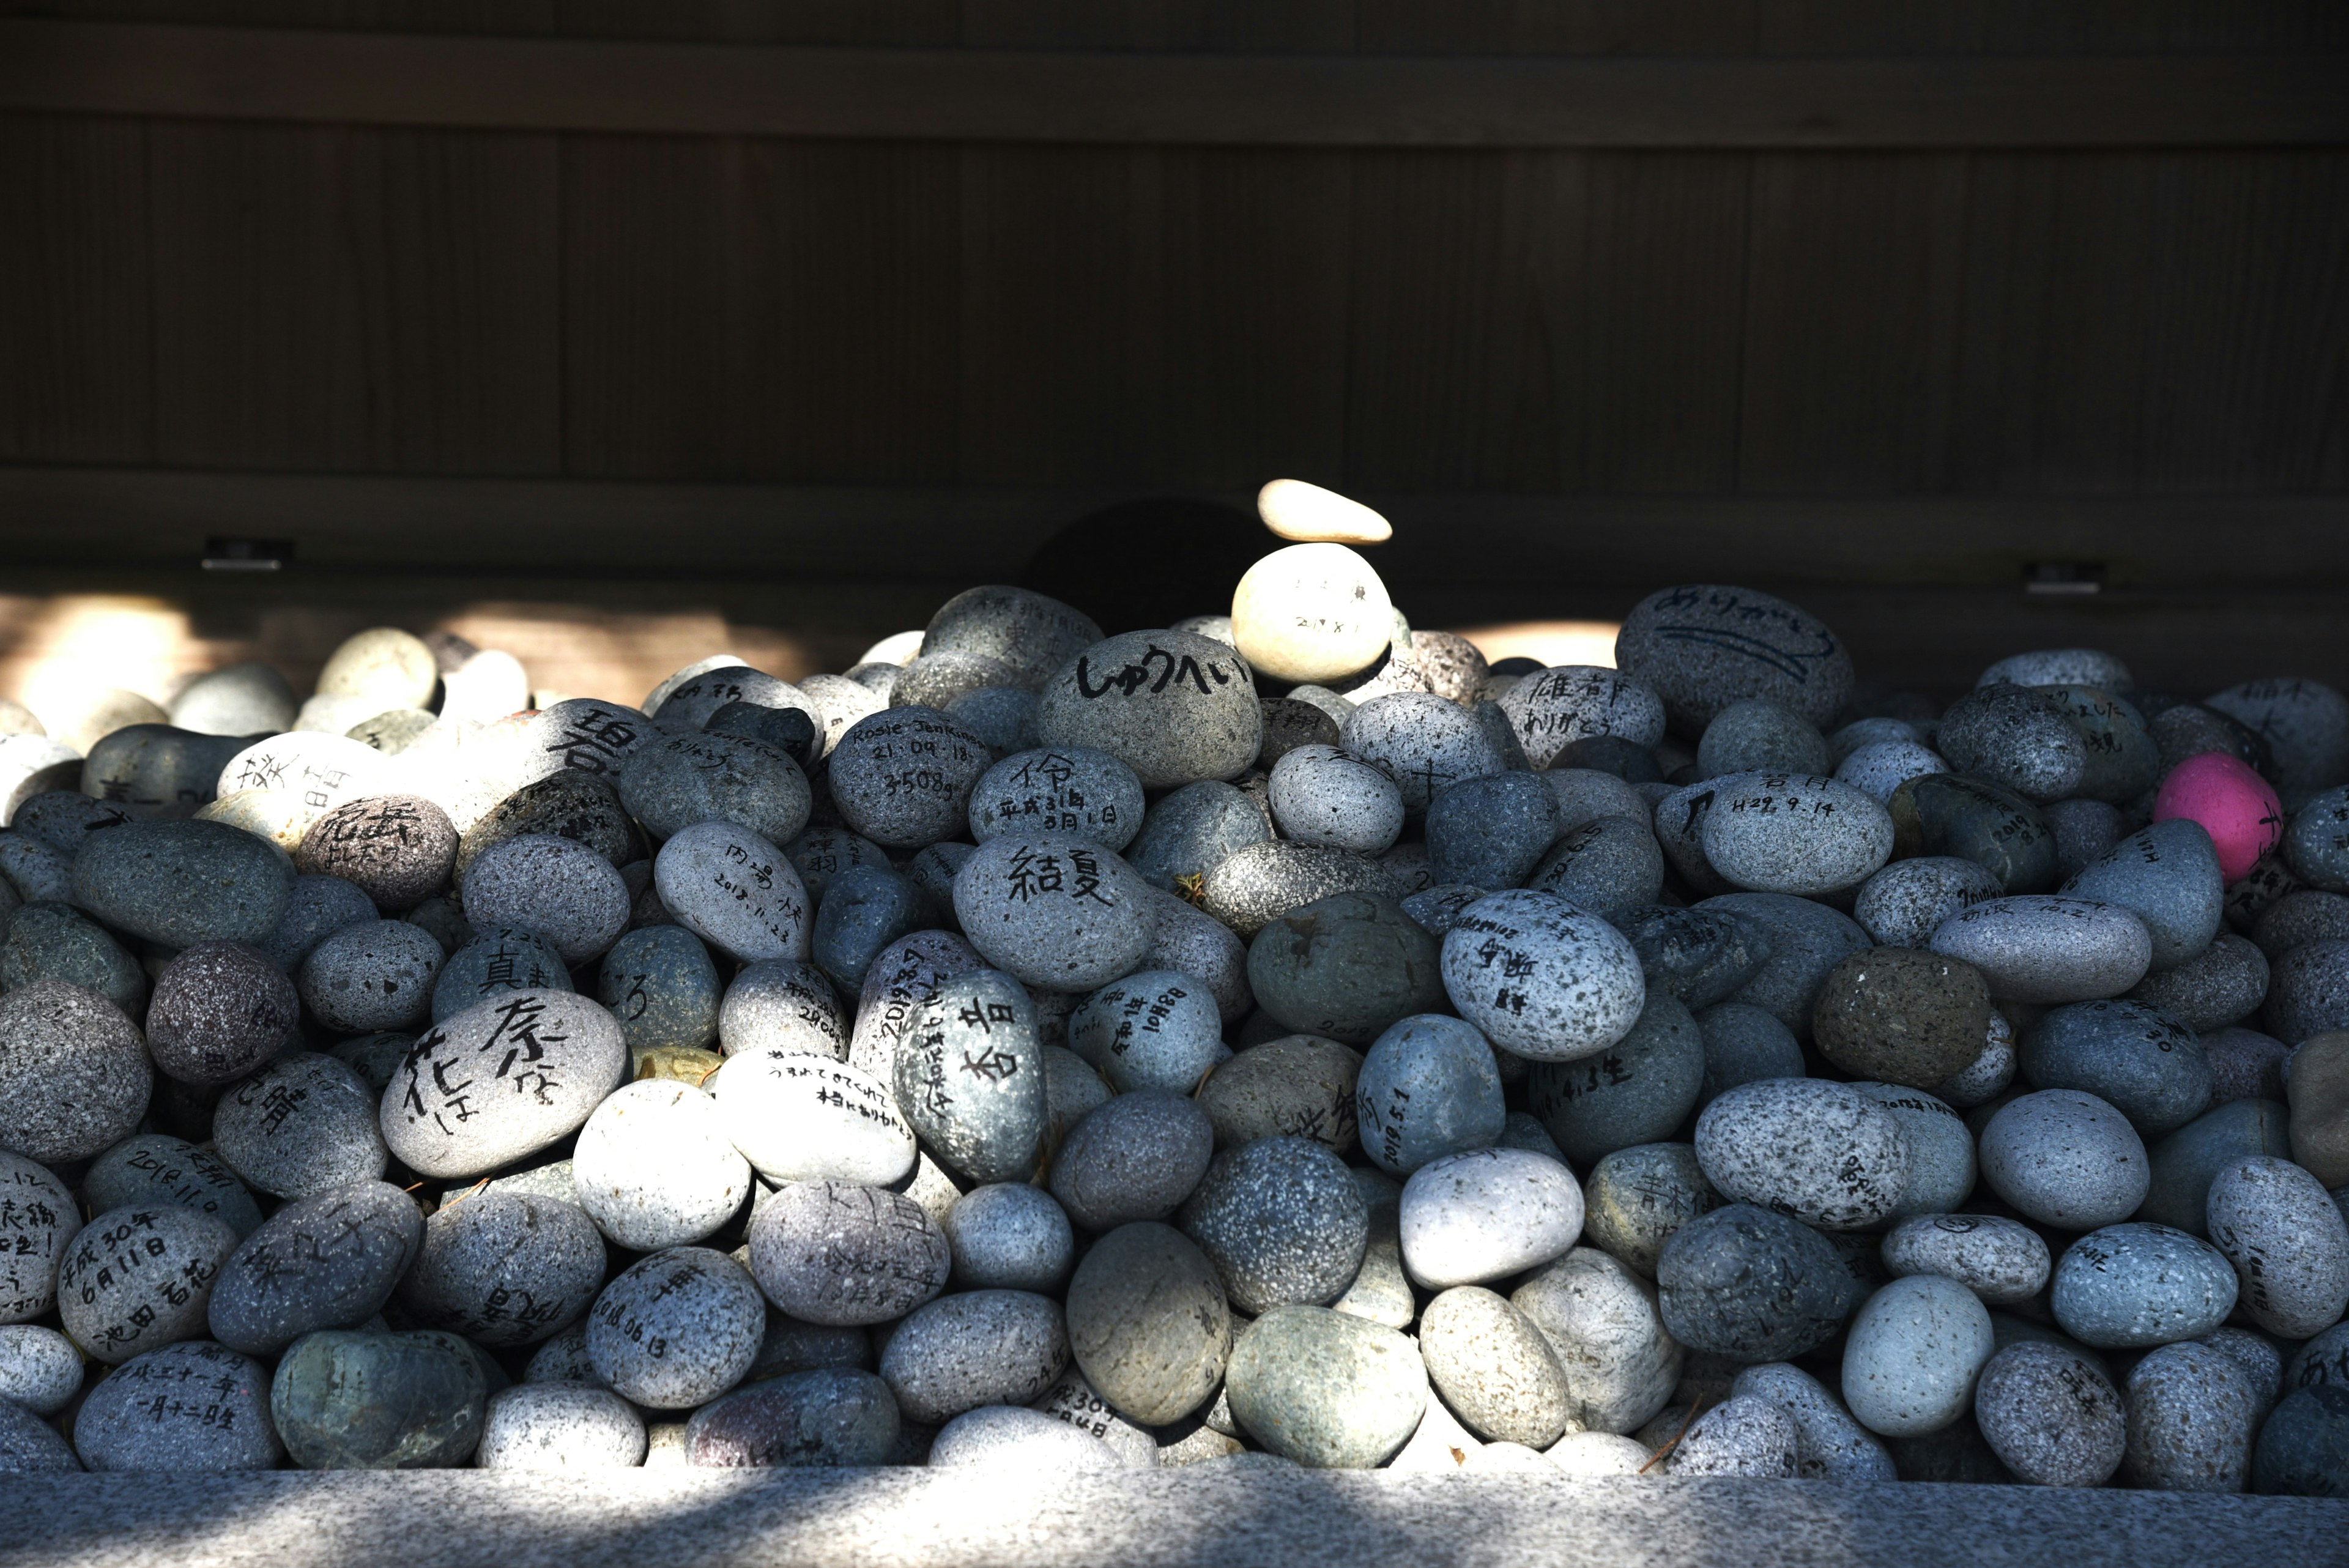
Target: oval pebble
<point>2043,949</point>
<point>975,1348</point>
<point>2132,1287</point>
<point>1751,1285</point>
<point>2064,1159</point>
<point>1635,1198</point>
<point>1794,832</point>
<point>1912,1355</point>
<point>2051,1415</point>
<point>1324,1389</point>
<point>798,1118</point>
<point>193,1407</point>
<point>2288,1241</point>
<point>43,1220</point>
<point>326,1260</point>
<point>1136,1156</point>
<point>2002,1260</point>
<point>1149,1324</point>
<point>372,975</point>
<point>1175,707</point>
<point>1602,1324</point>
<point>379,1401</point>
<point>1009,1236</point>
<point>654,1166</point>
<point>140,1277</point>
<point>833,1252</point>
<point>504,1268</point>
<point>1541,978</point>
<point>735,890</point>
<point>1828,1444</point>
<point>559,1426</point>
<point>678,1328</point>
<point>1822,1152</point>
<point>1282,1222</point>
<point>1470,1218</point>
<point>1053,911</point>
<point>1745,1435</point>
<point>74,1075</point>
<point>303,1124</point>
<point>2192,1415</point>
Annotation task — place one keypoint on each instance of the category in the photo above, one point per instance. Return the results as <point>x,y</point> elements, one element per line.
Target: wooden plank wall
<point>308,299</point>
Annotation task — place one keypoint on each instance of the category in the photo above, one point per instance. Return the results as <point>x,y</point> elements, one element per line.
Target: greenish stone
<point>357,1401</point>
<point>1327,1390</point>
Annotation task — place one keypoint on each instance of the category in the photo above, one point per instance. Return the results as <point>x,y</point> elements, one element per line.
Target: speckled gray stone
<point>2131,1287</point>
<point>735,890</point>
<point>379,1401</point>
<point>678,1328</point>
<point>1610,867</point>
<point>903,776</point>
<point>1010,1236</point>
<point>827,1417</point>
<point>1808,940</point>
<point>64,819</point>
<point>2288,1241</point>
<point>1972,819</point>
<point>2221,985</point>
<point>2000,1261</point>
<point>1902,905</point>
<point>1697,956</point>
<point>39,1367</point>
<point>1635,1198</point>
<point>1148,1323</point>
<point>1154,1029</point>
<point>30,1445</point>
<point>1823,1152</point>
<point>654,1166</point>
<point>2245,1064</point>
<point>682,779</point>
<point>33,872</point>
<point>220,1009</point>
<point>799,1117</point>
<point>782,1005</point>
<point>316,908</point>
<point>1828,1444</point>
<point>971,1079</point>
<point>2181,1165</point>
<point>1429,1086</point>
<point>326,1260</point>
<point>557,1426</point>
<point>582,807</point>
<point>1636,1091</point>
<point>1540,977</point>
<point>1941,1165</point>
<point>498,961</point>
<point>1319,794</point>
<point>193,1407</point>
<point>1471,1217</point>
<point>2298,916</point>
<point>138,1277</point>
<point>2308,990</point>
<point>1030,634</point>
<point>2051,1415</point>
<point>2132,1055</point>
<point>181,883</point>
<point>980,1347</point>
<point>56,941</point>
<point>661,987</point>
<point>1053,911</point>
<point>1756,736</point>
<point>1017,1441</point>
<point>1186,939</point>
<point>1745,1435</point>
<point>832,1252</point>
<point>1703,647</point>
<point>1072,790</point>
<point>1191,830</point>
<point>901,981</point>
<point>1257,885</point>
<point>1878,770</point>
<point>1602,1325</point>
<point>1298,1085</point>
<point>370,976</point>
<point>1491,831</point>
<point>2192,1415</point>
<point>1794,832</point>
<point>1913,1353</point>
<point>501,1080</point>
<point>74,1075</point>
<point>1751,1285</point>
<point>1743,1045</point>
<point>302,1124</point>
<point>1425,743</point>
<point>1493,1367</point>
<point>155,772</point>
<point>41,1219</point>
<point>1324,1389</point>
<point>562,889</point>
<point>1552,709</point>
<point>399,849</point>
<point>1282,1222</point>
<point>503,1268</point>
<point>1344,967</point>
<point>2019,737</point>
<point>2166,875</point>
<point>1137,1157</point>
<point>2064,1159</point>
<point>1175,707</point>
<point>2046,949</point>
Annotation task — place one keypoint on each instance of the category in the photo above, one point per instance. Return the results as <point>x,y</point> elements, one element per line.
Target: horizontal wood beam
<point>149,519</point>
<point>390,79</point>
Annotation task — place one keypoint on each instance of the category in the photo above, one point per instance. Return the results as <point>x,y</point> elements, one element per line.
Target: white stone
<point>654,1166</point>
<point>1311,612</point>
<point>803,1119</point>
<point>1486,1215</point>
<point>485,688</point>
<point>1310,515</point>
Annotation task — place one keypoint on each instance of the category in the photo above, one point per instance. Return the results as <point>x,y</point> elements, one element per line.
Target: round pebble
<point>218,1011</point>
<point>399,849</point>
<point>1751,1285</point>
<point>2221,985</point>
<point>1156,1029</point>
<point>2064,1159</point>
<point>1944,814</point>
<point>1902,1016</point>
<point>1636,1091</point>
<point>2181,1166</point>
<point>1425,743</point>
<point>2192,1415</point>
<point>1822,1152</point>
<point>1282,1222</point>
<point>1324,1389</point>
<point>137,1278</point>
<point>2051,1415</point>
<point>2132,1056</point>
<point>496,963</point>
<point>559,1426</point>
<point>975,1348</point>
<point>303,1124</point>
<point>30,1445</point>
<point>971,1079</point>
<point>1491,832</point>
<point>1010,1236</point>
<point>52,941</point>
<point>1542,978</point>
<point>1297,1086</point>
<point>832,1252</point>
<point>42,1220</point>
<point>1252,888</point>
<point>798,1118</point>
<point>1311,612</point>
<point>1175,707</point>
<point>780,1005</point>
<point>192,1407</point>
<point>1745,1435</point>
<point>1345,967</point>
<point>676,1330</point>
<point>1137,1157</point>
<point>1428,1088</point>
<point>379,1401</point>
<point>1828,1444</point>
<point>74,1077</point>
<point>564,890</point>
<point>1912,1355</point>
<point>1053,911</point>
<point>1635,1198</point>
<point>1471,1217</point>
<point>504,1268</point>
<point>1699,956</point>
<point>371,976</point>
<point>1601,1322</point>
<point>1149,1324</point>
<point>2131,1287</point>
<point>654,1166</point>
<point>39,1368</point>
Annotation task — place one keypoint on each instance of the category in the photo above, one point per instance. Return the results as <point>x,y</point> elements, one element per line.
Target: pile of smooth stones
<point>1280,1038</point>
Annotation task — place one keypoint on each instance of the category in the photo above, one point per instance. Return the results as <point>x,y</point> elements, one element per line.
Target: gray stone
<point>1610,867</point>
<point>2022,738</point>
<point>500,1081</point>
<point>1324,1389</point>
<point>39,1368</point>
<point>1635,1198</point>
<point>1636,1091</point>
<point>1491,831</point>
<point>1944,814</point>
<point>2135,1058</point>
<point>1425,743</point>
<point>1187,940</point>
<point>2287,1240</point>
<point>654,1166</point>
<point>970,1078</point>
<point>1704,647</point>
<point>1913,1353</point>
<point>1191,830</point>
<point>2245,1064</point>
<point>1137,1157</point>
<point>1002,717</point>
<point>154,772</point>
<point>383,664</point>
<point>326,1260</point>
<point>1794,832</point>
<point>1148,1323</point>
<point>2180,1166</point>
<point>33,872</point>
<point>677,1329</point>
<point>1428,1087</point>
<point>301,1124</point>
<point>580,806</point>
<point>1153,1029</point>
<point>562,889</point>
<point>2064,1159</point>
<point>1076,1403</point>
<point>371,976</point>
<point>64,819</point>
<point>1437,909</point>
<point>498,961</point>
<point>830,1416</point>
<point>831,1252</point>
<point>1471,1217</point>
<point>780,1005</point>
<point>1175,707</point>
<point>1990,1073</point>
<point>2000,1261</point>
<point>1828,1444</point>
<point>1584,793</point>
<point>2123,760</point>
<point>980,1347</point>
<point>42,1220</point>
<point>2315,844</point>
<point>245,699</point>
<point>682,779</point>
<point>2304,723</point>
<point>1053,911</point>
<point>74,1077</point>
<point>2308,990</point>
<point>902,980</point>
<point>555,1426</point>
<point>504,1268</point>
<point>1901,1016</point>
<point>140,1277</point>
<point>1542,978</point>
<point>316,908</point>
<point>2192,1413</point>
<point>863,910</point>
<point>2051,1415</point>
<point>2304,1447</point>
<point>2167,876</point>
<point>1756,736</point>
<point>2131,1287</point>
<point>193,1407</point>
<point>399,849</point>
<point>220,1010</point>
<point>57,942</point>
<point>1493,1367</point>
<point>1806,941</point>
<point>1941,1168</point>
<point>1552,709</point>
<point>1010,1236</point>
<point>2044,949</point>
<point>1745,1435</point>
<point>1743,1045</point>
<point>1253,887</point>
<point>661,988</point>
<point>1602,1324</point>
<point>735,890</point>
<point>1877,771</point>
<point>30,1445</point>
<point>2299,917</point>
<point>1026,632</point>
<point>2222,984</point>
<point>2086,832</point>
<point>1282,1222</point>
<point>1024,1442</point>
<point>1299,1086</point>
<point>374,1057</point>
<point>1697,956</point>
<point>698,698</point>
<point>1822,1152</point>
<point>1075,790</point>
<point>798,1118</point>
<point>379,1401</point>
<point>1345,967</point>
<point>1751,1285</point>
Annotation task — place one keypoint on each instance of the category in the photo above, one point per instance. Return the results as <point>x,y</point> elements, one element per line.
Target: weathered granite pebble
<point>777,1005</point>
<point>1751,1285</point>
<point>504,1268</point>
<point>326,1260</point>
<point>500,1081</point>
<point>654,1166</point>
<point>243,699</point>
<point>1902,905</point>
<point>1635,1198</point>
<point>2166,875</point>
<point>828,1416</point>
<point>39,1368</point>
<point>562,889</point>
<point>2245,1064</point>
<point>2192,1415</point>
<point>675,782</point>
<point>1552,709</point>
<point>971,1077</point>
<point>1703,647</point>
<point>978,1347</point>
<point>1610,867</point>
<point>1487,1214</point>
<point>498,961</point>
<point>1601,1322</point>
<point>1745,1435</point>
<point>301,1124</point>
<point>1541,978</point>
<point>1075,1402</point>
<point>399,849</point>
<point>833,1252</point>
<point>1975,820</point>
<point>149,771</point>
<point>1025,1442</point>
<point>1191,830</point>
<point>1491,831</point>
<point>2135,1058</point>
<point>1697,956</point>
<point>2299,917</point>
<point>1756,736</point>
<point>2086,832</point>
<point>1902,1016</point>
<point>1154,1029</point>
<point>48,940</point>
<point>799,1117</point>
<point>64,819</point>
<point>1822,1152</point>
<point>661,988</point>
<point>2064,1159</point>
<point>1744,1045</point>
<point>1636,1091</point>
<point>181,883</point>
<point>1912,1355</point>
<point>1298,1085</point>
<point>1175,707</point>
<point>220,1009</point>
<point>2308,990</point>
<point>2180,1166</point>
<point>379,1401</point>
<point>43,1220</point>
<point>580,806</point>
<point>35,873</point>
<point>2046,949</point>
<point>370,976</point>
<point>863,910</point>
<point>1829,1445</point>
<point>1137,1157</point>
<point>901,981</point>
<point>1148,1323</point>
<point>1942,1166</point>
<point>30,1445</point>
<point>735,890</point>
<point>1586,1454</point>
<point>2303,1447</point>
<point>1493,1367</point>
<point>1429,1087</point>
<point>2051,1415</point>
<point>2020,737</point>
<point>1053,911</point>
<point>1073,790</point>
<point>316,908</point>
<point>1345,967</point>
<point>1327,1390</point>
<point>1009,1236</point>
<point>1990,1073</point>
<point>1423,742</point>
<point>2221,985</point>
<point>559,1426</point>
<point>1282,1222</point>
<point>2131,1287</point>
<point>2000,1261</point>
<point>694,701</point>
<point>1794,832</point>
<point>2288,1241</point>
<point>1253,887</point>
<point>189,1407</point>
<point>135,1278</point>
<point>1030,634</point>
<point>1878,770</point>
<point>74,1077</point>
<point>676,1330</point>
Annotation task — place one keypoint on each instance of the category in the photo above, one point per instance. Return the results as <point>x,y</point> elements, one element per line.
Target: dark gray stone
<point>57,942</point>
<point>970,1078</point>
<point>2134,1057</point>
<point>980,1347</point>
<point>1491,831</point>
<point>831,1252</point>
<point>1637,1198</point>
<point>181,883</point>
<point>683,779</point>
<point>316,908</point>
<point>1137,1157</point>
<point>156,1167</point>
<point>1806,941</point>
<point>1751,1285</point>
<point>503,1268</point>
<point>74,1077</point>
<point>370,976</point>
<point>328,1261</point>
<point>1344,967</point>
<point>302,1124</point>
<point>1281,1220</point>
<point>220,1010</point>
<point>379,1401</point>
<point>193,1407</point>
<point>832,1416</point>
<point>863,910</point>
<point>1636,1091</point>
<point>1744,1045</point>
<point>662,990</point>
<point>2223,984</point>
<point>1148,1323</point>
<point>580,806</point>
<point>1698,955</point>
<point>138,1277</point>
<point>1973,819</point>
<point>1191,830</point>
<point>1703,647</point>
<point>1609,865</point>
<point>2167,876</point>
<point>1428,1087</point>
<point>399,849</point>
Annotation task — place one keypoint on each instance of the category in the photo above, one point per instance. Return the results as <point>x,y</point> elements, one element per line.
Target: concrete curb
<point>1214,1517</point>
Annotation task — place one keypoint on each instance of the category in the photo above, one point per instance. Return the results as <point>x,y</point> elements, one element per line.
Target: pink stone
<point>2232,802</point>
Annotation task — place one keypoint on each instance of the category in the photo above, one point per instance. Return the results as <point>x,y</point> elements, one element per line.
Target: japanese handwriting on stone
<point>1137,674</point>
